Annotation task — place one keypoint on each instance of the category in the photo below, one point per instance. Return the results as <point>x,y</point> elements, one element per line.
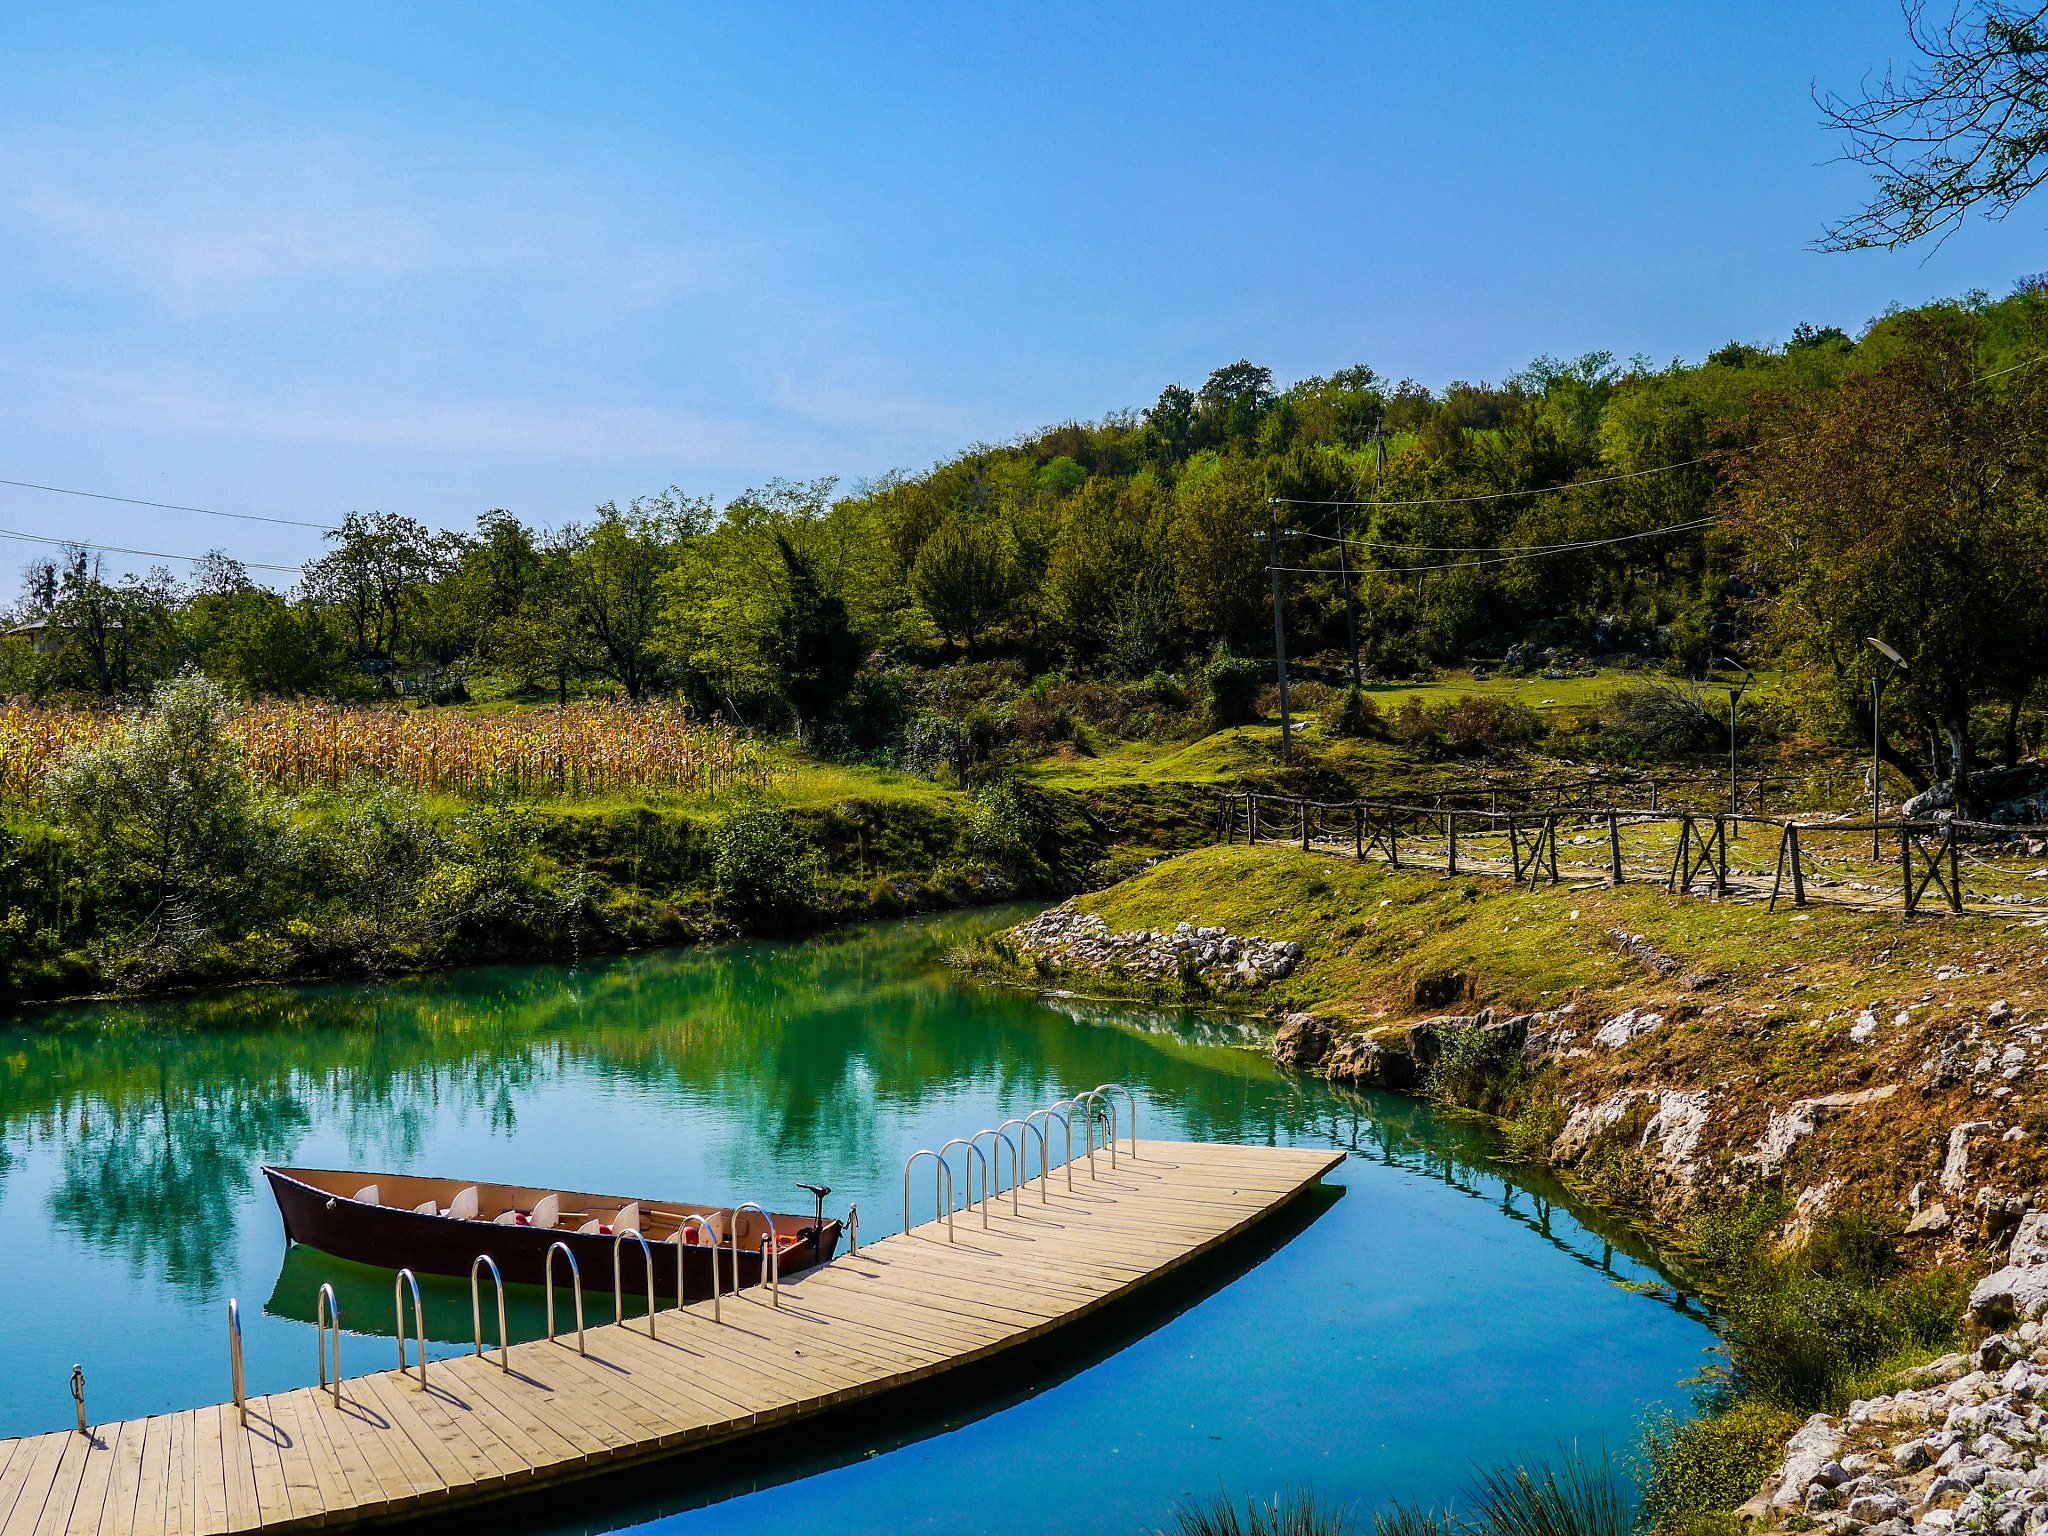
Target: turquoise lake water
<point>1434,1310</point>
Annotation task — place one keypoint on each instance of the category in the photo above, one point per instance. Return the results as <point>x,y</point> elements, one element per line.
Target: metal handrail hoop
<point>1044,1157</point>
<point>1016,1164</point>
<point>235,1357</point>
<point>326,1316</point>
<point>940,1171</point>
<point>576,1279</point>
<point>618,1284</point>
<point>419,1319</point>
<point>1052,1112</point>
<point>476,1310</point>
<point>711,1233</point>
<point>1093,1098</point>
<point>962,1141</point>
<point>771,1259</point>
<point>1120,1088</point>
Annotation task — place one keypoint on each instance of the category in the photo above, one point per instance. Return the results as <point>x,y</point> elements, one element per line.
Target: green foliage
<point>764,865</point>
<point>1232,685</point>
<point>1294,1512</point>
<point>816,647</point>
<point>1692,1468</point>
<point>164,815</point>
<point>1475,1069</point>
<point>1468,725</point>
<point>1566,1497</point>
<point>1003,825</point>
<point>967,577</point>
<point>1356,714</point>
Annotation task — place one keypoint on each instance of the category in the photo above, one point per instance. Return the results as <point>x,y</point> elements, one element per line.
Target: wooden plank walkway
<point>905,1308</point>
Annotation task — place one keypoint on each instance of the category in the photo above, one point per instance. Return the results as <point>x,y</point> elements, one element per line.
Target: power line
<point>1517,549</point>
<point>153,554</point>
<point>1541,490</point>
<point>1508,559</point>
<point>247,517</point>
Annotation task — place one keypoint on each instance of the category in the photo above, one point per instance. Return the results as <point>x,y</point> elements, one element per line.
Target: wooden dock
<point>902,1310</point>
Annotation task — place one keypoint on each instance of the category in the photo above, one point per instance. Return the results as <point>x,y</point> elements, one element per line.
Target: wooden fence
<point>1622,845</point>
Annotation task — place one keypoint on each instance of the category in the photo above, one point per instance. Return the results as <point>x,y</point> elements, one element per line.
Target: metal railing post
<point>476,1310</point>
<point>235,1357</point>
<point>1120,1088</point>
<point>711,1233</point>
<point>327,1319</point>
<point>1044,1157</point>
<point>941,1171</point>
<point>576,1279</point>
<point>772,1261</point>
<point>618,1281</point>
<point>419,1319</point>
<point>975,1151</point>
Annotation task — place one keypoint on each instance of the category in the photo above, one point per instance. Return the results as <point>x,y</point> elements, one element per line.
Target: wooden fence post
<point>1393,848</point>
<point>1358,831</point>
<point>1451,832</point>
<point>1721,850</point>
<point>1906,866</point>
<point>1551,837</point>
<point>1955,873</point>
<point>1798,875</point>
<point>1304,823</point>
<point>1614,844</point>
<point>1251,820</point>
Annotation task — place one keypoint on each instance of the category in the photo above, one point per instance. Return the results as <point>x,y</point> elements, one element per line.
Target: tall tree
<point>816,647</point>
<point>966,577</point>
<point>611,584</point>
<point>1908,505</point>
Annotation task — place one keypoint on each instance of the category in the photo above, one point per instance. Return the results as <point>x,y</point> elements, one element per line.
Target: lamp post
<point>1734,696</point>
<point>1877,686</point>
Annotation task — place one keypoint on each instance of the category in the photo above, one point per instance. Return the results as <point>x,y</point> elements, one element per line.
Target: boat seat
<point>367,1195</point>
<point>591,1225</point>
<point>629,1216</point>
<point>426,1208</point>
<point>506,1219</point>
<point>547,1212</point>
<point>464,1207</point>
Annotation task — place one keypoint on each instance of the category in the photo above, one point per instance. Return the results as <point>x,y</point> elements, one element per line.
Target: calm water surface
<point>1437,1308</point>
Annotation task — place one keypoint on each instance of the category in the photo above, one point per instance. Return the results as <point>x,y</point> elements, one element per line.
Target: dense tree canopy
<point>1773,499</point>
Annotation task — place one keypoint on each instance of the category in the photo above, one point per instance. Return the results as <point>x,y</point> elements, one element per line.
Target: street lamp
<point>1877,687</point>
<point>1734,695</point>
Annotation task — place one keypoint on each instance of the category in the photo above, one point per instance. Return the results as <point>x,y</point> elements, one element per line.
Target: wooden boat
<point>439,1226</point>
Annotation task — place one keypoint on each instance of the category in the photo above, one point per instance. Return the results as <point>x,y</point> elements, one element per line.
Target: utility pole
<point>1279,640</point>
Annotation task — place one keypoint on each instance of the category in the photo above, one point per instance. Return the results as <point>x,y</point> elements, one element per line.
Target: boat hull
<point>391,1237</point>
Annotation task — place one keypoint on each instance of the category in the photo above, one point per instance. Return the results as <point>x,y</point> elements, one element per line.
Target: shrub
<point>1356,714</point>
<point>1002,825</point>
<point>164,814</point>
<point>1475,1068</point>
<point>1232,684</point>
<point>763,864</point>
<point>1467,725</point>
<point>1690,1468</point>
<point>1665,717</point>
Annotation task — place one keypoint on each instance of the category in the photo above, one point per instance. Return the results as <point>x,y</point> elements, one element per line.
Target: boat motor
<point>816,1233</point>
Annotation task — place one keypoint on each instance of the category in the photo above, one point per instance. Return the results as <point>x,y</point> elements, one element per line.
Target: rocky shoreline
<point>1066,936</point>
<point>1959,1444</point>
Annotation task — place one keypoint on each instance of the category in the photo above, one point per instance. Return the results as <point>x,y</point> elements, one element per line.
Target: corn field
<point>578,749</point>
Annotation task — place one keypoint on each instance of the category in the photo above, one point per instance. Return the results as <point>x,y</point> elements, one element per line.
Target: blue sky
<point>436,259</point>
